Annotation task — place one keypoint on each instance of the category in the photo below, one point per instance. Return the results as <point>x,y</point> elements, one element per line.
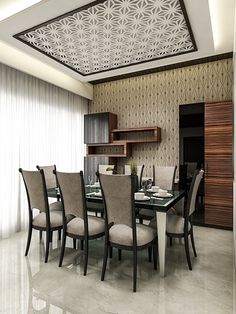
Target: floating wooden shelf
<point>136,135</point>
<point>121,149</point>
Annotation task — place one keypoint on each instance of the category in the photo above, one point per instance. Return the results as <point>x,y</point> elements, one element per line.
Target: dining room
<point>117,161</point>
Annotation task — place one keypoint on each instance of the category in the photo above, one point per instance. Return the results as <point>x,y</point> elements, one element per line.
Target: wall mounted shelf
<point>121,149</point>
<point>136,135</point>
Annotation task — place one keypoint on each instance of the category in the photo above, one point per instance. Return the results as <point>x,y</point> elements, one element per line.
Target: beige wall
<point>154,99</point>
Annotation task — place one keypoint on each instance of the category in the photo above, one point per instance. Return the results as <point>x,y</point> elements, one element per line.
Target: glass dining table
<point>160,205</point>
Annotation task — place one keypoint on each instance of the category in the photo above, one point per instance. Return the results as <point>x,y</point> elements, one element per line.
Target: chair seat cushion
<point>55,206</point>
<point>123,234</point>
<point>56,219</point>
<point>95,226</point>
<point>174,224</point>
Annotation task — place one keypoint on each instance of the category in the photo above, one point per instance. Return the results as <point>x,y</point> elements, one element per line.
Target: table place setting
<point>140,196</point>
<point>163,194</point>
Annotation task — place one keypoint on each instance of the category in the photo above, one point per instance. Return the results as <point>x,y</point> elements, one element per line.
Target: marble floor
<point>28,285</point>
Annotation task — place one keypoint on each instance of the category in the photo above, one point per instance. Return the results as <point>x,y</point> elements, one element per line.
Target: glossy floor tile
<point>28,285</point>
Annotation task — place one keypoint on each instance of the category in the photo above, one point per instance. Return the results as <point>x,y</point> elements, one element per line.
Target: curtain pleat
<point>39,124</point>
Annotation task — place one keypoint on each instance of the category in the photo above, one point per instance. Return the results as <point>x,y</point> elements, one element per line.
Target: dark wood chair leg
<point>186,244</point>
<point>63,244</point>
<point>141,220</point>
<point>40,235</point>
<point>86,256</point>
<point>110,251</point>
<point>51,236</point>
<point>154,248</point>
<point>105,255</point>
<point>192,241</point>
<point>171,241</point>
<point>119,254</point>
<point>48,238</point>
<point>74,244</point>
<point>134,270</point>
<point>82,245</point>
<point>59,235</point>
<point>150,254</point>
<point>28,240</point>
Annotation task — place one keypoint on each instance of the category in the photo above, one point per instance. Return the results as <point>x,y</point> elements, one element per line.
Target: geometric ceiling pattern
<point>106,35</point>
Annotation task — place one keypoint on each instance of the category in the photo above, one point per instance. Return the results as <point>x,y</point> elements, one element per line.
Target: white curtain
<point>39,124</point>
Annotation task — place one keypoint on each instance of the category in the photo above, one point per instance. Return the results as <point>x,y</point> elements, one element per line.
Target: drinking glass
<point>90,180</point>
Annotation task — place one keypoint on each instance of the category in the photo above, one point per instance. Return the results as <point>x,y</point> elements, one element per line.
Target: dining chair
<point>77,224</point>
<point>182,227</point>
<point>51,183</point>
<point>121,230</point>
<point>46,220</point>
<point>139,173</point>
<point>163,176</point>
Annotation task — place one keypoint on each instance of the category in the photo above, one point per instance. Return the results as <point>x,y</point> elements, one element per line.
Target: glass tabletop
<point>93,194</point>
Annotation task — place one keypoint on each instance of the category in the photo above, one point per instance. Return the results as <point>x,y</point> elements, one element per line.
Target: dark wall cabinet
<point>98,127</point>
<point>97,130</point>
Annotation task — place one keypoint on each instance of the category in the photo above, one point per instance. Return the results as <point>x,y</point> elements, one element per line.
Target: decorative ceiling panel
<point>111,34</point>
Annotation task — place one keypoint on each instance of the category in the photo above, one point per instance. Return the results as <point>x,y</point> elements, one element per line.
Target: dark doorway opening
<point>191,151</point>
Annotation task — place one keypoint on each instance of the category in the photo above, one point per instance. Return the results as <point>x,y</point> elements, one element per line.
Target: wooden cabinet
<point>97,130</point>
<point>98,126</point>
<point>219,164</point>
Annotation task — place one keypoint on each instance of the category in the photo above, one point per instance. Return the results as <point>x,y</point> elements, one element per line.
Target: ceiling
<point>100,39</point>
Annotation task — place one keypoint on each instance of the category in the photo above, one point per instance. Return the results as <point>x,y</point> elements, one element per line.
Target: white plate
<point>98,194</point>
<point>164,196</point>
<point>151,191</point>
<point>146,198</point>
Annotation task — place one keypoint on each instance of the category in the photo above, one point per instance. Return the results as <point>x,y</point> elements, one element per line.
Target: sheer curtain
<point>39,124</point>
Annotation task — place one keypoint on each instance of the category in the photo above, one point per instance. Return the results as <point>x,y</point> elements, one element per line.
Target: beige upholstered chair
<point>121,230</point>
<point>103,169</point>
<point>181,227</point>
<point>51,183</point>
<point>163,176</point>
<point>80,225</point>
<point>139,172</point>
<point>37,199</point>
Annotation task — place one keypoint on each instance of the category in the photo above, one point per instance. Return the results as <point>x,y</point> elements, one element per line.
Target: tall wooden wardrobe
<point>219,164</point>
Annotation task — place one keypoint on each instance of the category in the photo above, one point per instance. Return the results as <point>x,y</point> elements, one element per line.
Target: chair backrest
<point>72,193</point>
<point>191,167</point>
<point>103,169</point>
<point>118,196</point>
<point>191,200</point>
<point>50,178</point>
<point>36,189</point>
<point>139,173</point>
<point>164,176</point>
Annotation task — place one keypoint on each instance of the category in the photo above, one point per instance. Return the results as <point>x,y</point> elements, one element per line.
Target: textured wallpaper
<point>154,99</point>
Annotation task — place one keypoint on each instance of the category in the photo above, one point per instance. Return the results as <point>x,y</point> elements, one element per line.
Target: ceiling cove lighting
<point>11,7</point>
<point>222,24</point>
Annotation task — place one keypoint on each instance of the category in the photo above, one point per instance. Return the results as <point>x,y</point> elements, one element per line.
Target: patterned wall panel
<point>154,99</point>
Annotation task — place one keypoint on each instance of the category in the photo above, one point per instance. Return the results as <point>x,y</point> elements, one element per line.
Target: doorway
<point>191,151</point>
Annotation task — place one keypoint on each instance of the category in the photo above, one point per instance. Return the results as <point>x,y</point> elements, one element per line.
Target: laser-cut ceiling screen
<point>111,34</point>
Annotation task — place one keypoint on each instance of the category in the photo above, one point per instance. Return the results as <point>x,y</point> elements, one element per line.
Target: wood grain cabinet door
<point>219,164</point>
